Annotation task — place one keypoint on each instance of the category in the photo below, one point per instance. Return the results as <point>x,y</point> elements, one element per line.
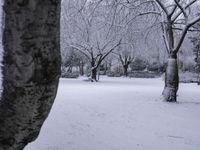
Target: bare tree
<point>177,21</point>
<point>31,69</point>
<point>177,17</point>
<point>91,33</point>
<point>126,56</point>
<point>125,60</point>
<point>141,20</point>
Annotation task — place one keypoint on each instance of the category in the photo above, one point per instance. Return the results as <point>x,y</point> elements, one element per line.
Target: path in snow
<point>121,114</point>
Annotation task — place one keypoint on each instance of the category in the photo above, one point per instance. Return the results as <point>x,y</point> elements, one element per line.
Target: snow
<point>121,114</point>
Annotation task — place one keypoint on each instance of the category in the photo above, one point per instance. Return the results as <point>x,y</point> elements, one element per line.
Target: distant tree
<point>125,60</point>
<point>142,31</point>
<point>90,31</point>
<point>125,56</point>
<point>31,69</point>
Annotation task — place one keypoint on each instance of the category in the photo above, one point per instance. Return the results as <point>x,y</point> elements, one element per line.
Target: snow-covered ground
<point>121,114</point>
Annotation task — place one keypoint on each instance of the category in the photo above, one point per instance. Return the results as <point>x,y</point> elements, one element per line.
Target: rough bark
<point>31,69</point>
<point>171,80</point>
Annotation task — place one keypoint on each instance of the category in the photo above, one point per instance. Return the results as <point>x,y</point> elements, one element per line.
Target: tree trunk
<point>69,70</point>
<point>31,69</point>
<point>125,67</point>
<point>94,74</point>
<point>171,79</point>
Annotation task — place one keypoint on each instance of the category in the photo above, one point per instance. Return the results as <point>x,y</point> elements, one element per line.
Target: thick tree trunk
<point>31,69</point>
<point>94,74</point>
<point>171,80</point>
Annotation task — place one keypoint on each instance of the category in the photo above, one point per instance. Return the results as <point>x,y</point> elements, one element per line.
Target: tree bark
<point>94,74</point>
<point>125,67</point>
<point>171,79</point>
<point>31,69</point>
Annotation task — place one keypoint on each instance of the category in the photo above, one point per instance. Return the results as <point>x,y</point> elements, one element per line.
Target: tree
<point>125,55</point>
<point>31,69</point>
<point>125,60</point>
<point>90,31</point>
<point>177,21</point>
<point>142,31</point>
<point>176,18</point>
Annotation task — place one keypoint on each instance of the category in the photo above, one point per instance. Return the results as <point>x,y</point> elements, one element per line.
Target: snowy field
<point>121,114</point>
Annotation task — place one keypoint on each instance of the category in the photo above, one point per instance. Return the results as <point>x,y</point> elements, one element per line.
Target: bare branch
<point>165,38</point>
<point>181,29</point>
<point>110,51</point>
<point>163,7</point>
<point>80,50</point>
<point>179,13</point>
<point>181,8</point>
<point>173,10</point>
<point>185,30</point>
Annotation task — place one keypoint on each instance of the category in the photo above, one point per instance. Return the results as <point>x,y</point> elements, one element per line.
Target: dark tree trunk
<point>94,74</point>
<point>69,70</point>
<point>31,69</point>
<point>81,68</point>
<point>125,67</point>
<point>93,71</point>
<point>171,80</point>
